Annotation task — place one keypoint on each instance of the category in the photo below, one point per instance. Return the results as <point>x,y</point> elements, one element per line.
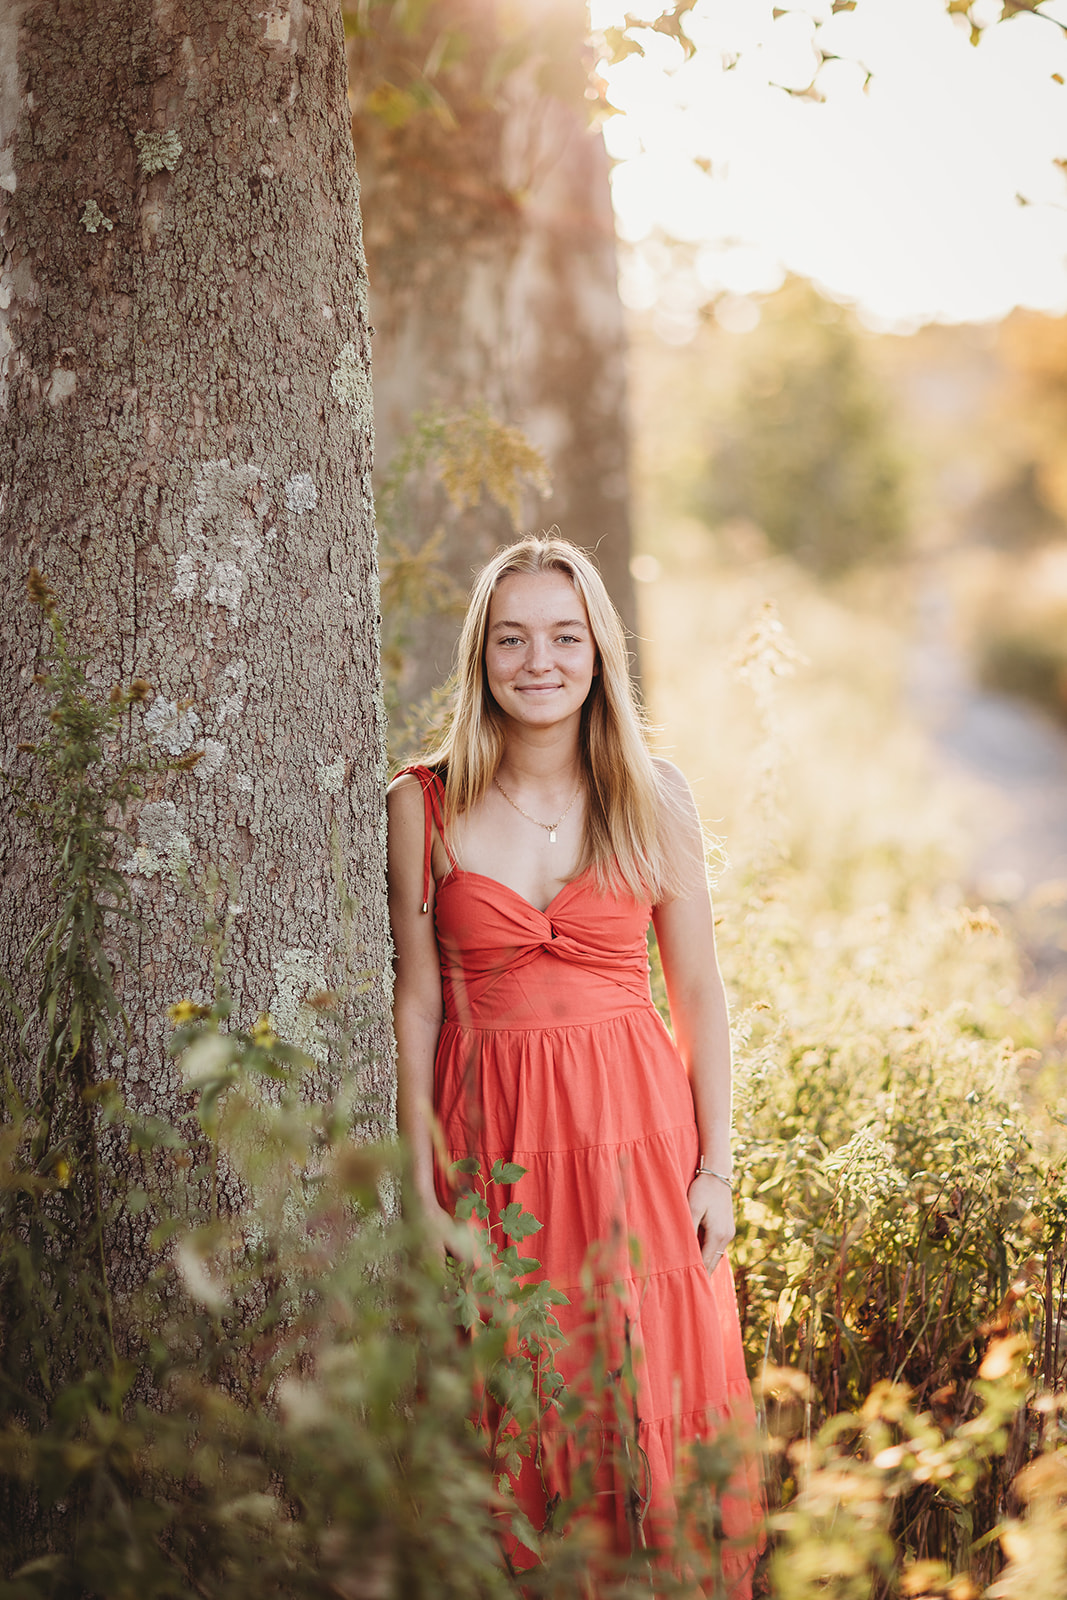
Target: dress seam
<point>516,1154</point>
<point>641,1006</point>
<point>637,1278</point>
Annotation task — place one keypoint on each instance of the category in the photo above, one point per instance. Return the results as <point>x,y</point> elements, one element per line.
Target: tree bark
<point>491,247</point>
<point>187,456</point>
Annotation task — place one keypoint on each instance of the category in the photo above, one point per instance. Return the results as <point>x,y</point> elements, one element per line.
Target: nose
<point>538,655</point>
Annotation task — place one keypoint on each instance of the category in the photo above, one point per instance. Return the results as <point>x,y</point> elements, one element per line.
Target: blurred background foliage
<point>802,443</point>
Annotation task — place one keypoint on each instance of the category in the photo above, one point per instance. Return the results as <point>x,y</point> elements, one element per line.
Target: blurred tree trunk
<point>491,248</point>
<point>187,455</point>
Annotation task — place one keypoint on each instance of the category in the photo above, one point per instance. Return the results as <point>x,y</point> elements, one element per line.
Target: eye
<point>510,638</point>
<point>569,638</point>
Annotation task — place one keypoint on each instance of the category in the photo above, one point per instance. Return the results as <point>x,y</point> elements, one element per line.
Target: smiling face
<point>540,658</point>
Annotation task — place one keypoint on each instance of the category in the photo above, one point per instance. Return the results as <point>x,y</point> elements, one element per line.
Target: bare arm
<point>417,1004</point>
<point>685,931</point>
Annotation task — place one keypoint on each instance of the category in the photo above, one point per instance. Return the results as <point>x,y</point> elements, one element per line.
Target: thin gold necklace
<point>549,827</point>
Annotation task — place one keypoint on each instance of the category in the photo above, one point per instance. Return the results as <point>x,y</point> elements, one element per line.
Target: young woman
<point>526,858</point>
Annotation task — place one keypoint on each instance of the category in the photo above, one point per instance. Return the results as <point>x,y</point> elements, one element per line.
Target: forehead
<point>536,597</point>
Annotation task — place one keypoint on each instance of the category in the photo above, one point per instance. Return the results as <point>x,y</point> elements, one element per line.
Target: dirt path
<point>1013,760</point>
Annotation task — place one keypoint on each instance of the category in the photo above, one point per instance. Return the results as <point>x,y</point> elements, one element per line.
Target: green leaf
<point>517,1265</point>
<point>467,1309</point>
<point>506,1172</point>
<point>517,1223</point>
<point>468,1164</point>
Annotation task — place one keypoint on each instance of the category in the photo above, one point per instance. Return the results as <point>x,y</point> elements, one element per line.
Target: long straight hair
<point>627,800</point>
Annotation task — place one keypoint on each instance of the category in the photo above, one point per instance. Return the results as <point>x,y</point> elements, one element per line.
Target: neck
<point>541,763</point>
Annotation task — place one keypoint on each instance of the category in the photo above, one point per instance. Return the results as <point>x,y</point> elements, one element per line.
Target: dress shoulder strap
<point>433,798</point>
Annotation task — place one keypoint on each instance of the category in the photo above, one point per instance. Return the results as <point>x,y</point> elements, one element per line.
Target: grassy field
<point>899,1097</point>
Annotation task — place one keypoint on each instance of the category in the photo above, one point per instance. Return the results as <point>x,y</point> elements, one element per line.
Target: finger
<point>713,1252</point>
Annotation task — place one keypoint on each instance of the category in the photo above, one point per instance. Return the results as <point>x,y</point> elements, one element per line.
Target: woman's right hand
<point>439,1226</point>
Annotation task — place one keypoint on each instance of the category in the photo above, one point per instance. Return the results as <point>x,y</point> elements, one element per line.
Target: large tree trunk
<point>187,457</point>
<point>491,248</point>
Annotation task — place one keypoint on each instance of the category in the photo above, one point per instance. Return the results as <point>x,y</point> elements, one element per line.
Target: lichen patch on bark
<point>61,385</point>
<point>298,974</point>
<point>211,762</point>
<point>157,150</point>
<point>350,380</point>
<point>300,494</point>
<point>163,846</point>
<point>225,554</point>
<point>234,679</point>
<point>330,778</point>
<point>171,725</point>
<point>93,219</point>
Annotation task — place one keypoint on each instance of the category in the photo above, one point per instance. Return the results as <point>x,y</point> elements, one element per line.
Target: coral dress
<point>552,1055</point>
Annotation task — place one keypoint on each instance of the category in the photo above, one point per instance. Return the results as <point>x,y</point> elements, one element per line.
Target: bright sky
<point>900,197</point>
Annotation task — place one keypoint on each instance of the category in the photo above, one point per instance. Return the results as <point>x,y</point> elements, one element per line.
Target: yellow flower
<point>185,1011</point>
<point>263,1032</point>
<point>63,1173</point>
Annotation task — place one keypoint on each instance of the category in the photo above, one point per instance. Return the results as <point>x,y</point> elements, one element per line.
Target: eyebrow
<point>568,622</point>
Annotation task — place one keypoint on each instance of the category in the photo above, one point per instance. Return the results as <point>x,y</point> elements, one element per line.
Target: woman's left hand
<point>712,1209</point>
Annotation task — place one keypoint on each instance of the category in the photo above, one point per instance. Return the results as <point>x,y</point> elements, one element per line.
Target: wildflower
<point>767,651</point>
<point>865,1168</point>
<point>323,1000</point>
<point>263,1032</point>
<point>185,1011</point>
<point>62,1170</point>
<point>976,921</point>
<point>40,591</point>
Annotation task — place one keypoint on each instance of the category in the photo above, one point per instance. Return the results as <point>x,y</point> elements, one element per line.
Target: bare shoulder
<point>405,812</point>
<point>681,836</point>
<point>677,806</point>
<point>405,801</point>
<point>403,790</point>
<point>673,778</point>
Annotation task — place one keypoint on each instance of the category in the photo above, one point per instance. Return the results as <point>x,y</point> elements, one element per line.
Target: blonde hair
<point>626,797</point>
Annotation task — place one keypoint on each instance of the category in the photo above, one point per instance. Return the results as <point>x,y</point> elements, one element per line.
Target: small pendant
<point>551,835</point>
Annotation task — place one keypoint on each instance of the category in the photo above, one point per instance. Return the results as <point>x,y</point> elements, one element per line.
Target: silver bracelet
<point>709,1172</point>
